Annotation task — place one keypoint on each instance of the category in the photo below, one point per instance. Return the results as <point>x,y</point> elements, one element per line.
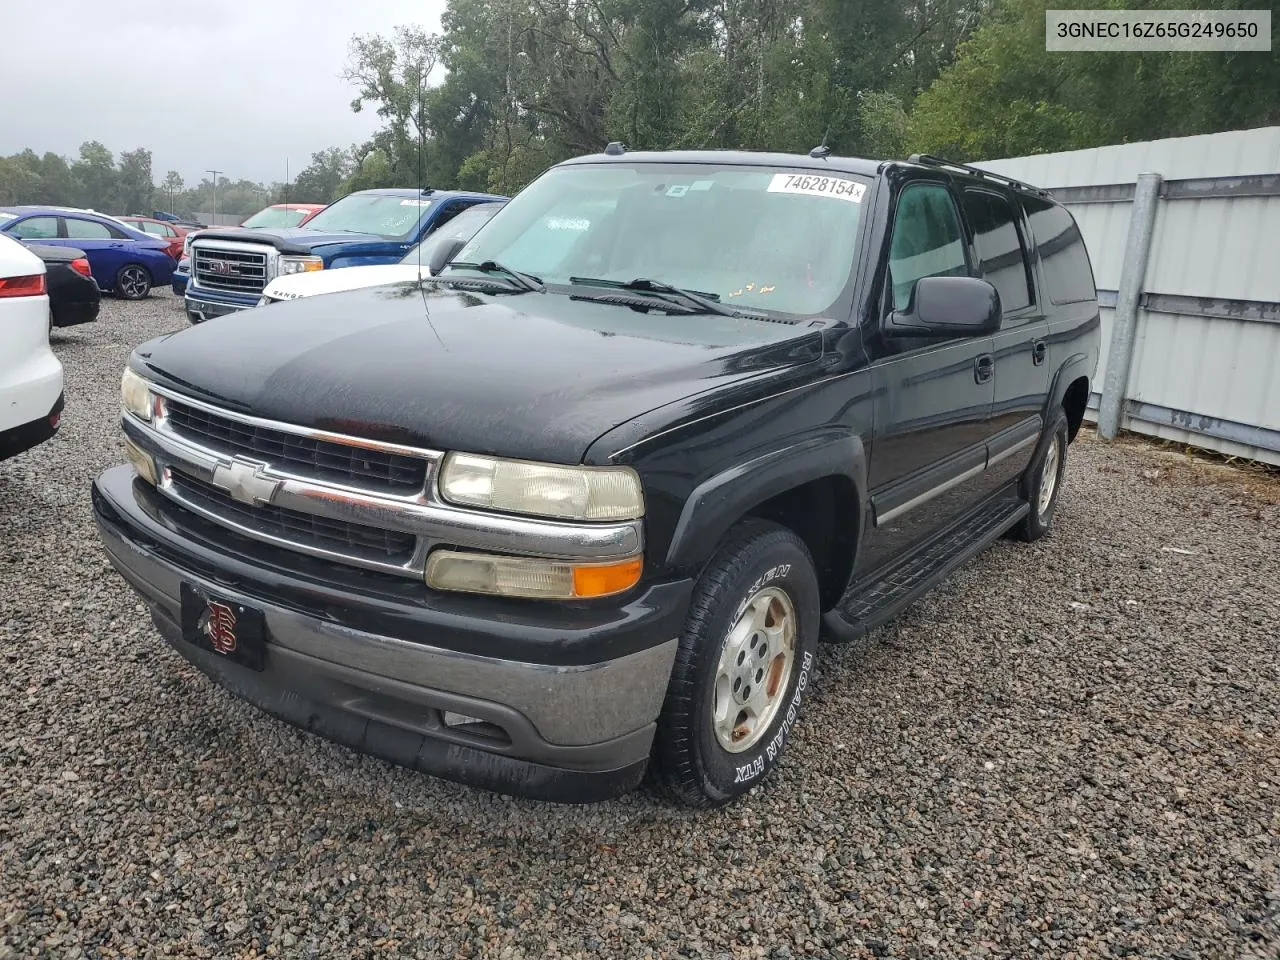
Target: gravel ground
<point>1069,750</point>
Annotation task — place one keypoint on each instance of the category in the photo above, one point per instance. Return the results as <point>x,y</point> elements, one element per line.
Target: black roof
<point>832,164</point>
<point>829,164</point>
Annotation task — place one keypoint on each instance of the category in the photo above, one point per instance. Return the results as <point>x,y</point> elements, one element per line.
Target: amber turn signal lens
<point>604,579</point>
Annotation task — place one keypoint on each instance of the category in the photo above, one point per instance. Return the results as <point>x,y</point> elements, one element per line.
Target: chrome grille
<point>242,270</point>
<point>304,529</point>
<point>321,459</point>
<point>364,502</point>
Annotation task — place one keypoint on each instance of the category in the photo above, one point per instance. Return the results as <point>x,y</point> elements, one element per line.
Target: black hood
<point>533,376</point>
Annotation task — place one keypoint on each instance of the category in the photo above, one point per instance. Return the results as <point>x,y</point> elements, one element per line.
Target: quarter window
<point>36,228</point>
<point>995,235</point>
<point>926,240</point>
<point>1063,257</point>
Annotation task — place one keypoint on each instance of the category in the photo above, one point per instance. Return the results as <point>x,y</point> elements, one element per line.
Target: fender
<point>721,500</point>
<point>1071,369</point>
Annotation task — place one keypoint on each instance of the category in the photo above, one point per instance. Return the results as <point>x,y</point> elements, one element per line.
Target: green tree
<point>171,188</point>
<point>19,182</point>
<point>321,181</point>
<point>95,176</point>
<point>134,186</point>
<point>1006,96</point>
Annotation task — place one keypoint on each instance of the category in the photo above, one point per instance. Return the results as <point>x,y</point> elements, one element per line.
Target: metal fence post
<point>1133,274</point>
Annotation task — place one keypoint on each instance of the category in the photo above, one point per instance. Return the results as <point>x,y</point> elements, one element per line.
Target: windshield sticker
<point>817,186</point>
<point>679,190</point>
<point>415,203</point>
<point>568,223</point>
<point>702,185</point>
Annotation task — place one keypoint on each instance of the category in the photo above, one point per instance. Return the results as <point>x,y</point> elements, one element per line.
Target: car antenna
<point>419,199</point>
<point>822,151</point>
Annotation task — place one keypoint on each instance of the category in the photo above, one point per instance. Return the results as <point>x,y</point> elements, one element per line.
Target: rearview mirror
<point>443,253</point>
<point>947,306</point>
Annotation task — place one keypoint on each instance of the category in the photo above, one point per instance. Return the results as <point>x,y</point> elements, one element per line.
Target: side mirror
<point>947,306</point>
<point>443,253</point>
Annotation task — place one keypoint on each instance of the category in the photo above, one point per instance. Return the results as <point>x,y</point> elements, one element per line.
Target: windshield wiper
<point>705,302</point>
<point>526,281</point>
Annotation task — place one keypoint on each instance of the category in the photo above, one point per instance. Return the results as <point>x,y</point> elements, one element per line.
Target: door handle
<point>1038,350</point>
<point>983,368</point>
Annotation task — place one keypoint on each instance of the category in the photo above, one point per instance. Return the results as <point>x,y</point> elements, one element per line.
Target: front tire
<point>1042,483</point>
<point>133,282</point>
<point>744,662</point>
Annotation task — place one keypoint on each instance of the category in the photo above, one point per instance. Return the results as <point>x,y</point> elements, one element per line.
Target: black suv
<point>582,504</point>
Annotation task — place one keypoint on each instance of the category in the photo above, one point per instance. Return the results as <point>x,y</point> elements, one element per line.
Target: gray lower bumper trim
<point>561,706</point>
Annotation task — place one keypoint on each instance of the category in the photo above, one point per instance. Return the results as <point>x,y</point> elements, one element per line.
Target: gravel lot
<point>1069,750</point>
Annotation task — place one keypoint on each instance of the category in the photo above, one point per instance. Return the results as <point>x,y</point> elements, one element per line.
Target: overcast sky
<point>233,86</point>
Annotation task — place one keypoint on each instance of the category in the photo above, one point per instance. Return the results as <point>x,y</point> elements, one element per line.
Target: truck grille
<point>236,271</point>
<point>302,529</point>
<point>340,463</point>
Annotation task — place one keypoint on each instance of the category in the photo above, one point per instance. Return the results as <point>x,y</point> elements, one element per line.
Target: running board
<point>868,605</point>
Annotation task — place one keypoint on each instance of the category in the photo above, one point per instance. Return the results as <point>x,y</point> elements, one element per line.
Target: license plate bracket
<point>225,627</point>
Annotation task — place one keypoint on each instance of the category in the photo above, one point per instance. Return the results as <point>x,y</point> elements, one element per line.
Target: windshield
<point>779,241</point>
<point>461,227</point>
<point>276,217</point>
<point>6,216</point>
<point>392,217</point>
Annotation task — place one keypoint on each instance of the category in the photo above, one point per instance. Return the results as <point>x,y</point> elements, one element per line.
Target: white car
<point>30,375</point>
<point>298,285</point>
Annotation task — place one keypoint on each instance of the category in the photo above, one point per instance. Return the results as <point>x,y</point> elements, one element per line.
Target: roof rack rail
<point>931,161</point>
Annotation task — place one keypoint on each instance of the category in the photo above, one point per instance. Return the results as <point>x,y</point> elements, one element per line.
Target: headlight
<point>528,576</point>
<point>290,265</point>
<point>135,395</point>
<point>542,489</point>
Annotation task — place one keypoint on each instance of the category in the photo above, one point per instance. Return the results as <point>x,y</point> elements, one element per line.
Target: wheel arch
<point>1070,391</point>
<point>816,488</point>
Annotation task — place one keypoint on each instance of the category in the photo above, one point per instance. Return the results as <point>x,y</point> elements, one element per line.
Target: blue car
<point>181,274</point>
<point>230,268</point>
<point>124,261</point>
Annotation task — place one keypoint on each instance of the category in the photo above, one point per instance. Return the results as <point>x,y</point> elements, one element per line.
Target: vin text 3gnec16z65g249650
<point>582,503</point>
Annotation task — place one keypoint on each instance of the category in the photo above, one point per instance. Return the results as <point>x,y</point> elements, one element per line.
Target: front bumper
<point>202,305</point>
<point>570,732</point>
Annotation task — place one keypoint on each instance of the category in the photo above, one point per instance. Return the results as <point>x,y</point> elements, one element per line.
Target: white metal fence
<point>1205,334</point>
<point>221,219</point>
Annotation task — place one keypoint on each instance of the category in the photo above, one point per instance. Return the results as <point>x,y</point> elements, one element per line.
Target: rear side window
<point>87,230</point>
<point>999,248</point>
<point>926,240</point>
<point>36,228</point>
<point>1063,257</point>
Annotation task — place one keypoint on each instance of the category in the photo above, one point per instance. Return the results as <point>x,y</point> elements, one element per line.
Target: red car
<point>283,215</point>
<point>171,233</point>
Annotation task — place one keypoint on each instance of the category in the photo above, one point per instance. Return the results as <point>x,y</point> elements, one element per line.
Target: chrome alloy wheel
<point>1049,476</point>
<point>754,670</point>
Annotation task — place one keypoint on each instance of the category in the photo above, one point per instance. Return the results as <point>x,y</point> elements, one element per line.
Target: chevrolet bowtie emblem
<point>244,482</point>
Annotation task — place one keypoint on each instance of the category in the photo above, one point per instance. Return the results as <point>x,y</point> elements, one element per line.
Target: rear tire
<point>1042,483</point>
<point>745,659</point>
<point>133,282</point>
